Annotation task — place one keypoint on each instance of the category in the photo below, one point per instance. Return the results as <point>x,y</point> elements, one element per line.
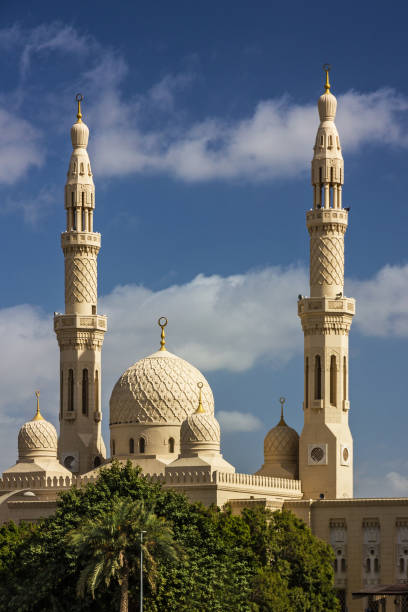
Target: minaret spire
<point>325,451</point>
<point>80,331</point>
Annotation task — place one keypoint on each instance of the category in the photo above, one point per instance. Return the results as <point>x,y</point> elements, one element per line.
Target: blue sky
<point>202,120</point>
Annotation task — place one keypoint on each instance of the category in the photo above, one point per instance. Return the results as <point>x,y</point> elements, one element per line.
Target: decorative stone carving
<point>161,388</point>
<point>327,260</point>
<point>35,435</point>
<point>201,427</point>
<point>80,280</point>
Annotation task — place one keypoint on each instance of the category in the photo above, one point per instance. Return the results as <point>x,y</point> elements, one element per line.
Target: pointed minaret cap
<point>327,103</point>
<point>79,131</point>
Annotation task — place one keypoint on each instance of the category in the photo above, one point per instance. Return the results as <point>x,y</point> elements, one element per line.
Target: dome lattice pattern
<point>161,388</point>
<point>281,441</point>
<point>200,427</point>
<point>37,435</point>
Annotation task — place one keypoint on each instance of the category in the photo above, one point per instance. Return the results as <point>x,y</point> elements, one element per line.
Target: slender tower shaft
<point>80,331</point>
<point>325,448</point>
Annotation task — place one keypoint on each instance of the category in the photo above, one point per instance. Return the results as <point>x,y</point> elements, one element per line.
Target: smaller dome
<point>200,431</point>
<point>37,437</point>
<point>281,442</point>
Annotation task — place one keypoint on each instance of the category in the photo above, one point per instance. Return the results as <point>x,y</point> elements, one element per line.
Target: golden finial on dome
<point>282,420</point>
<point>200,408</point>
<point>162,323</point>
<point>79,97</point>
<point>327,68</point>
<point>38,415</point>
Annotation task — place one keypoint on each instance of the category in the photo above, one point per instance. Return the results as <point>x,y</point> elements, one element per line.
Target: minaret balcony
<point>316,305</point>
<point>74,238</point>
<point>77,321</point>
<point>321,216</point>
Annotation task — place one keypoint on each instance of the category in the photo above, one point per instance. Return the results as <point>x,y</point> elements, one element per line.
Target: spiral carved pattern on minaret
<point>327,260</point>
<point>80,280</point>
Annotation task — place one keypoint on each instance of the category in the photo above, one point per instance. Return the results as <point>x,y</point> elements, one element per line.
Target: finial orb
<point>200,385</point>
<point>79,97</point>
<point>37,394</point>
<point>282,400</point>
<point>327,67</point>
<point>162,322</point>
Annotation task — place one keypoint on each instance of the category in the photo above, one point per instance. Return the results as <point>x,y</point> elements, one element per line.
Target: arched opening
<point>401,565</point>
<point>171,445</point>
<point>96,391</point>
<point>72,198</point>
<point>307,382</point>
<point>344,378</point>
<point>113,447</point>
<point>82,168</point>
<point>333,381</point>
<point>343,565</point>
<point>368,566</point>
<point>97,462</point>
<point>83,198</point>
<point>85,392</point>
<point>70,389</point>
<point>142,446</point>
<point>318,378</point>
<point>131,446</point>
<point>376,565</point>
<point>335,566</point>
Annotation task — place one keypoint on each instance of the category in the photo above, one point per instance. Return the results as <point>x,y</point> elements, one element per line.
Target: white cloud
<point>398,483</point>
<point>34,207</point>
<point>20,147</point>
<point>382,302</point>
<point>232,421</point>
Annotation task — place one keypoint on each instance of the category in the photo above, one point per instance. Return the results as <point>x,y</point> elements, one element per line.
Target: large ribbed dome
<point>281,442</point>
<point>37,435</point>
<point>161,388</point>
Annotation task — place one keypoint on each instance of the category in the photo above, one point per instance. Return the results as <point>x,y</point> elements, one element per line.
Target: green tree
<point>231,563</point>
<point>110,546</point>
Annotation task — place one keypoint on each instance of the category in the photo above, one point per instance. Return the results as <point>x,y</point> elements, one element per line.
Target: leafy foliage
<point>258,561</point>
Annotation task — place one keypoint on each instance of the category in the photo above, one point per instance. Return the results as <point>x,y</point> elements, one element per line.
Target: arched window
<point>376,565</point>
<point>96,391</point>
<point>333,381</point>
<point>345,378</point>
<point>368,566</point>
<point>82,168</point>
<point>72,198</point>
<point>320,175</point>
<point>62,392</point>
<point>85,392</point>
<point>70,389</point>
<point>330,142</point>
<point>113,448</point>
<point>142,445</point>
<point>318,378</point>
<point>83,198</point>
<point>331,174</point>
<point>131,446</point>
<point>335,566</point>
<point>322,140</point>
<point>171,445</point>
<point>401,565</point>
<point>307,383</point>
<point>343,565</point>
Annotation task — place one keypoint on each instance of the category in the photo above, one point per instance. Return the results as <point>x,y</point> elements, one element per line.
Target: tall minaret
<point>80,331</point>
<point>326,444</point>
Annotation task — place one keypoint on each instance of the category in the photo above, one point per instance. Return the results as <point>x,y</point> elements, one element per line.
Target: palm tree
<point>110,545</point>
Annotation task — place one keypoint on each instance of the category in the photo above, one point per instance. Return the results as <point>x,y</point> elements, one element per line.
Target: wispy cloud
<point>232,421</point>
<point>20,147</point>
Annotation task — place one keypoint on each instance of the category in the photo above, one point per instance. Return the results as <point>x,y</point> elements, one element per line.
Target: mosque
<point>162,407</point>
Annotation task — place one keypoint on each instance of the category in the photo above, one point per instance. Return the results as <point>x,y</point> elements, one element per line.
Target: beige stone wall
<point>359,515</point>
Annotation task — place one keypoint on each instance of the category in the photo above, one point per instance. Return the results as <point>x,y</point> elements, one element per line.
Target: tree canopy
<point>257,561</point>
